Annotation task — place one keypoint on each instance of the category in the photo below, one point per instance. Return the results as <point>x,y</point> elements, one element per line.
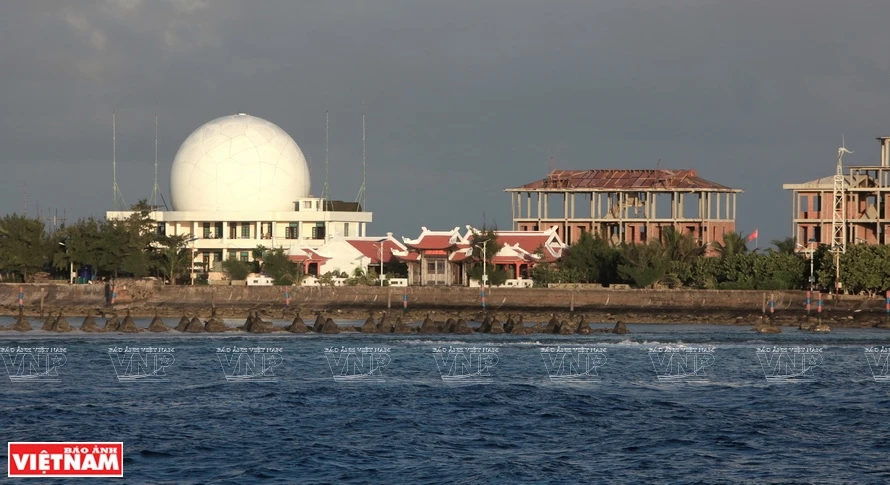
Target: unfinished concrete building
<point>630,206</point>
<point>860,210</point>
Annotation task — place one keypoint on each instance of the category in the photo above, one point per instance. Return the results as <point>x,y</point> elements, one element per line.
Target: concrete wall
<point>423,297</point>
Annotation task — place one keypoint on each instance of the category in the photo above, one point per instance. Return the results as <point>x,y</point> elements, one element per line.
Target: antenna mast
<point>839,216</point>
<point>153,200</point>
<point>362,201</point>
<point>326,191</point>
<point>118,203</point>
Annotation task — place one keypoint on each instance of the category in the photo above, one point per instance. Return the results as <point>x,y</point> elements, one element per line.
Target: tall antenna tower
<point>839,215</point>
<point>118,203</point>
<point>362,201</point>
<point>156,190</point>
<point>326,192</point>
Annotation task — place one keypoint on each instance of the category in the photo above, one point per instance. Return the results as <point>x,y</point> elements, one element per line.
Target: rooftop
<point>657,179</point>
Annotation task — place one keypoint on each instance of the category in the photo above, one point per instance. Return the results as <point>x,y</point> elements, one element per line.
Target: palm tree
<point>680,247</point>
<point>785,246</point>
<point>733,243</point>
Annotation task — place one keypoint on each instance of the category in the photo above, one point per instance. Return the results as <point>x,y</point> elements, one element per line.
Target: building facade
<point>631,206</point>
<point>444,258</point>
<point>862,208</point>
<point>238,182</point>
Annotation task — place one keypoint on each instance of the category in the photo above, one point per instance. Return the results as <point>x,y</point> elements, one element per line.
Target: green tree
<point>643,264</point>
<point>172,257</point>
<point>24,246</point>
<point>681,247</point>
<point>733,243</point>
<point>127,243</point>
<point>592,259</point>
<point>865,269</point>
<point>236,269</point>
<point>280,268</point>
<point>785,246</point>
<point>486,239</point>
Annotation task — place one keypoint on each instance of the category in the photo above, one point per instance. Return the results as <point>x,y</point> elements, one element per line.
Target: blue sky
<point>462,98</point>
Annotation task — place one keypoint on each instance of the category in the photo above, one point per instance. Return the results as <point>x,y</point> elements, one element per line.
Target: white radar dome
<point>238,163</point>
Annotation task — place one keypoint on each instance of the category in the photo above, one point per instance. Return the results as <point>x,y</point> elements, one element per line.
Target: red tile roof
<point>658,179</point>
<point>310,255</point>
<point>371,249</point>
<point>432,242</point>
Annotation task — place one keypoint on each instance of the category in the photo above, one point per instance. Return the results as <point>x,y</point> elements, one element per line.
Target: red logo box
<point>59,459</point>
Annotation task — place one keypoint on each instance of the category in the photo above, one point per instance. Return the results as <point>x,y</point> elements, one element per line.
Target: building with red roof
<point>446,257</point>
<point>631,206</point>
<point>345,254</point>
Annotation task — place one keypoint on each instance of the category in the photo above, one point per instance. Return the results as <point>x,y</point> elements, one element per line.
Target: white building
<point>238,182</point>
<point>345,254</point>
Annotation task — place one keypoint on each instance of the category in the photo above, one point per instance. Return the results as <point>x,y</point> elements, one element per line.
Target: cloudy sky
<point>463,98</point>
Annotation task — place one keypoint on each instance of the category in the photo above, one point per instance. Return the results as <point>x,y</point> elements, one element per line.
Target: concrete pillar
<point>565,205</point>
<point>718,205</point>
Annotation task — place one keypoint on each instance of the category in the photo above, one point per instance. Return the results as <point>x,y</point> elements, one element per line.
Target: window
<point>345,229</point>
<point>291,231</point>
<point>266,230</point>
<point>245,230</point>
<point>307,204</point>
<point>162,229</point>
<point>243,256</point>
<point>233,230</point>
<point>435,267</point>
<point>318,231</point>
<point>207,233</point>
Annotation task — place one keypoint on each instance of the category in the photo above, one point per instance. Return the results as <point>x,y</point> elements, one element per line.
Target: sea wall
<point>146,294</point>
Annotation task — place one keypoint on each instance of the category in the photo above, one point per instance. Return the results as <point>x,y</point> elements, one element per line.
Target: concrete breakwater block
<point>330,328</point>
<point>21,324</point>
<point>157,325</point>
<point>183,323</point>
<point>128,325</point>
<point>113,324</point>
<point>48,323</point>
<point>194,326</point>
<point>61,325</point>
<point>297,326</point>
<point>89,325</point>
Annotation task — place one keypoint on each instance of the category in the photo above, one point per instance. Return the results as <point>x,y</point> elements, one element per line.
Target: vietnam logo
<point>466,365</point>
<point>682,364</point>
<point>789,364</point>
<point>59,459</point>
<point>33,364</point>
<point>358,364</point>
<point>135,364</point>
<point>573,364</point>
<point>878,359</point>
<point>249,364</point>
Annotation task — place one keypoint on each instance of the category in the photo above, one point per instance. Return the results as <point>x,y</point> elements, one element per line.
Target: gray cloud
<point>462,98</point>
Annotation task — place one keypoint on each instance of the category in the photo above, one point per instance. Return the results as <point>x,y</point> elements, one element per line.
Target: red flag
<point>753,235</point>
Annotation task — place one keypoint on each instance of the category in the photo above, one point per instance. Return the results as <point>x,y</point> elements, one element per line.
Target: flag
<point>753,235</point>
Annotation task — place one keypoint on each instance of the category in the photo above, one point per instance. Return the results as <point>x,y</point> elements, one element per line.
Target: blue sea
<point>663,404</point>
